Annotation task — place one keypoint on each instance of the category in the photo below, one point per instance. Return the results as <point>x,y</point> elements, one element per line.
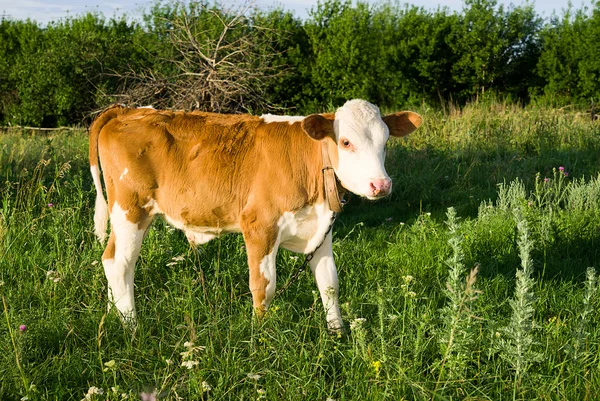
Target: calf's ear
<point>318,127</point>
<point>402,123</point>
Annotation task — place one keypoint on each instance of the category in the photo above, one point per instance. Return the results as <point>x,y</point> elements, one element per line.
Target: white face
<point>361,136</point>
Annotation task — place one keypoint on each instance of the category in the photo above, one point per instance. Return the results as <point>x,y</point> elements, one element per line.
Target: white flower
<point>175,260</point>
<point>94,263</point>
<point>356,323</point>
<point>261,391</point>
<point>52,275</point>
<point>91,391</point>
<point>253,376</point>
<point>148,396</point>
<point>206,387</point>
<point>95,390</point>
<point>188,344</point>
<point>330,399</point>
<point>189,364</point>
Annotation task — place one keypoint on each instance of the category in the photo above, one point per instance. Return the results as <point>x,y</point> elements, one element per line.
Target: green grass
<point>394,259</point>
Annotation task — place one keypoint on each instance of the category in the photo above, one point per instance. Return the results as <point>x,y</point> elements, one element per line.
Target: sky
<point>44,11</point>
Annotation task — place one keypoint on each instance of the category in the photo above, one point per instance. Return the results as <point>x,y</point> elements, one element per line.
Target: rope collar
<point>333,195</point>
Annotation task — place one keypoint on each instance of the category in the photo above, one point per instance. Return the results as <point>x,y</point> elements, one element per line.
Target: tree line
<point>203,56</point>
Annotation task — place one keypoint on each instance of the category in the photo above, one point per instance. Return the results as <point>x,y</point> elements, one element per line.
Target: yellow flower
<point>377,367</point>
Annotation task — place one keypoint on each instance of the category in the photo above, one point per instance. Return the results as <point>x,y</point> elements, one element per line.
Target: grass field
<point>423,323</point>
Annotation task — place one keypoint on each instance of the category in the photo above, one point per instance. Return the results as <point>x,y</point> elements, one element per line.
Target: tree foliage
<point>202,56</point>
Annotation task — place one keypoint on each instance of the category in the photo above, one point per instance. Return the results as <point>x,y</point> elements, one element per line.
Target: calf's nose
<point>381,186</point>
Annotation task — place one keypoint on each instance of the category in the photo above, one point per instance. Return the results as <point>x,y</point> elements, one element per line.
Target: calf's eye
<point>345,143</point>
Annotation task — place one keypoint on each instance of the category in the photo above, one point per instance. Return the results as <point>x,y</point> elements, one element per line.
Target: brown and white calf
<point>210,174</point>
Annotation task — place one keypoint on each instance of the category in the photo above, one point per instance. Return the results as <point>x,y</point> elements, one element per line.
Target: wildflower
<point>94,263</point>
<point>169,361</point>
<point>330,399</point>
<point>175,260</point>
<point>91,392</point>
<point>148,396</point>
<point>188,344</point>
<point>546,179</point>
<point>566,174</point>
<point>50,204</point>
<point>561,169</point>
<point>408,278</point>
<point>95,390</point>
<point>189,364</point>
<point>357,323</point>
<point>206,387</point>
<point>23,328</point>
<point>412,294</point>
<point>393,317</point>
<point>52,276</point>
<point>253,376</point>
<point>376,366</point>
<point>109,365</point>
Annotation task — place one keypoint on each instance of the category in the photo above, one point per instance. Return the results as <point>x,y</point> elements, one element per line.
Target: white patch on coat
<point>271,118</point>
<point>268,269</point>
<point>300,231</point>
<point>147,107</point>
<point>124,173</point>
<point>196,235</point>
<point>101,208</point>
<point>303,231</point>
<point>120,270</point>
<point>361,123</point>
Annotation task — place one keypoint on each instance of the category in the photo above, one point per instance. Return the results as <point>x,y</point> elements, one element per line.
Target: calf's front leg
<point>323,268</point>
<point>261,247</point>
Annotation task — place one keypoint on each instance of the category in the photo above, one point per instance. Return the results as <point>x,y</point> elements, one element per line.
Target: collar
<point>332,193</point>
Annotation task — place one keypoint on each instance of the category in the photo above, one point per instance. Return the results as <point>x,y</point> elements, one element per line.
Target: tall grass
<point>420,326</point>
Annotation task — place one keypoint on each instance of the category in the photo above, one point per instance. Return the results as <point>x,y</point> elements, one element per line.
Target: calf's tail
<point>101,208</point>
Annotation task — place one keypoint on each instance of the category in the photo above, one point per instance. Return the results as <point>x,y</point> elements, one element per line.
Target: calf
<point>270,178</point>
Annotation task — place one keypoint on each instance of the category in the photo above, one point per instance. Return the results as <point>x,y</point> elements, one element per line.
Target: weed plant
<point>416,331</point>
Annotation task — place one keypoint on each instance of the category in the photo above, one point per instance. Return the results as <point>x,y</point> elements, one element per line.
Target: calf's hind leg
<point>128,228</point>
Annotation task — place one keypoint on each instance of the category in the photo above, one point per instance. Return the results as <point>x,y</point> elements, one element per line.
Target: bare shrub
<point>220,62</point>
